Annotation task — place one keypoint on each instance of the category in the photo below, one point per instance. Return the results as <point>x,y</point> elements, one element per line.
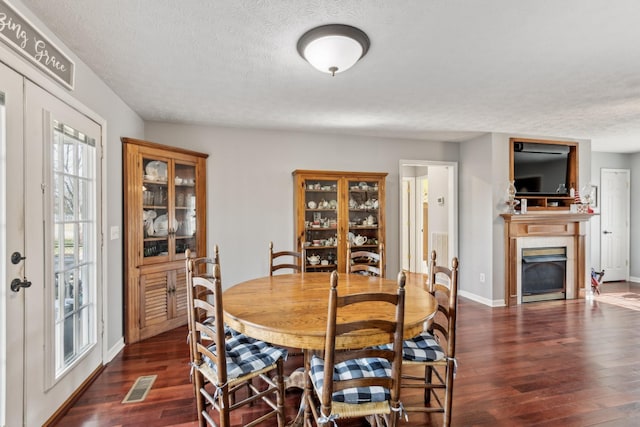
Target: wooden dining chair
<point>222,364</point>
<point>203,267</point>
<point>290,260</point>
<point>434,349</point>
<point>365,262</point>
<point>358,382</point>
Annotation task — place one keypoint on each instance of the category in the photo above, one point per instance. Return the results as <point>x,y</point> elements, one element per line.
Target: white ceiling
<point>437,69</point>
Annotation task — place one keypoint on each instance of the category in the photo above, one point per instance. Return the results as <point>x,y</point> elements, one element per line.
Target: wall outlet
<point>481,277</point>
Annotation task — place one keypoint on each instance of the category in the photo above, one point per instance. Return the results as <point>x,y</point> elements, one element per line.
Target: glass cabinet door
<point>321,225</point>
<point>364,218</point>
<point>155,208</point>
<point>185,208</point>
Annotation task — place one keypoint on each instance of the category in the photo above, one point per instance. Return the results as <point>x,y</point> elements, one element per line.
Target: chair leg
<point>198,382</point>
<point>428,377</point>
<point>224,401</point>
<point>308,390</point>
<point>280,393</point>
<point>448,395</point>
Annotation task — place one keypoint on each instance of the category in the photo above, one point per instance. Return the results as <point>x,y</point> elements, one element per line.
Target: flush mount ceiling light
<point>333,48</point>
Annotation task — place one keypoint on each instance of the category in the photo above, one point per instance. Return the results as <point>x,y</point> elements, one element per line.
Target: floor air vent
<point>140,389</point>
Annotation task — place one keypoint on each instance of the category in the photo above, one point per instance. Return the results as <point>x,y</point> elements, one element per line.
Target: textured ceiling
<point>437,69</point>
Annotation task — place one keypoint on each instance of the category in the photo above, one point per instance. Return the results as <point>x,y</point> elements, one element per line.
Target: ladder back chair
<point>358,382</point>
<point>290,260</point>
<point>221,365</point>
<point>434,349</point>
<point>365,262</point>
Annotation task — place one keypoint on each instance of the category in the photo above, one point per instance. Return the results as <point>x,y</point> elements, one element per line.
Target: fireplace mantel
<point>520,227</point>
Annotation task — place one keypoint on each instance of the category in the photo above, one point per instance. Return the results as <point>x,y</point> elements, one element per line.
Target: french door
<point>54,305</point>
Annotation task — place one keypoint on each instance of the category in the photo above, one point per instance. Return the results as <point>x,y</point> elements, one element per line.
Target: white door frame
<point>11,240</point>
<point>452,206</point>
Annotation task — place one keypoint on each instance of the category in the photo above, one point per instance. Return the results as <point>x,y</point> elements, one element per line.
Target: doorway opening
<point>428,213</point>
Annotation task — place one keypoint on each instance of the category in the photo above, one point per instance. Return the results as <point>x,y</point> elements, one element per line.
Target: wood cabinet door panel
<point>154,305</point>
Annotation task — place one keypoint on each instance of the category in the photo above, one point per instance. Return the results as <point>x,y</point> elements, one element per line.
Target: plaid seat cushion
<point>211,322</point>
<point>245,355</point>
<point>421,348</point>
<point>355,368</point>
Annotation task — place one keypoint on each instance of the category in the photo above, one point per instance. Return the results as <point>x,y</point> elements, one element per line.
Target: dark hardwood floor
<point>553,363</point>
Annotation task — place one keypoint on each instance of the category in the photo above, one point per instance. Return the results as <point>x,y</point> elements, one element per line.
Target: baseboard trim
<point>634,279</point>
<point>62,410</point>
<point>482,300</point>
<point>113,351</point>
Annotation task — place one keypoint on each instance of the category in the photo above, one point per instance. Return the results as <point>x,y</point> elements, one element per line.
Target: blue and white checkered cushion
<point>245,355</point>
<point>355,368</point>
<point>211,322</point>
<point>421,348</point>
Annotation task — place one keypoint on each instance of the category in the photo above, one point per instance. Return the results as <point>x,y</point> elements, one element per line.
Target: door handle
<point>16,284</point>
<point>16,257</point>
<point>607,232</point>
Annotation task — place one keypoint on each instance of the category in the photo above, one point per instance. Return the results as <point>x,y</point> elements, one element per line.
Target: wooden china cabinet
<point>334,208</point>
<point>164,214</point>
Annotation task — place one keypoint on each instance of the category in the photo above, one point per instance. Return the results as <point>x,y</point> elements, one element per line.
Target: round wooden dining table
<point>291,309</point>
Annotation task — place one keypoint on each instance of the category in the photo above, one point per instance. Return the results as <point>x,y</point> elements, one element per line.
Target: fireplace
<point>546,229</point>
<point>544,273</point>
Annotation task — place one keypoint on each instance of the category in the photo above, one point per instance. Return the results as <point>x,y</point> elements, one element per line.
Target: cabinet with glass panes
<point>334,209</point>
<point>164,205</point>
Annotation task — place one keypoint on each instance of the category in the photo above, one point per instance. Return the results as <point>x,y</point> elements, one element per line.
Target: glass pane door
<point>74,243</point>
<point>363,214</point>
<point>155,206</point>
<point>185,207</point>
<point>321,225</point>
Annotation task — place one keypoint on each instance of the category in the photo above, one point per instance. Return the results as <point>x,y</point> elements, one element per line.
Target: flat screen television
<point>541,169</point>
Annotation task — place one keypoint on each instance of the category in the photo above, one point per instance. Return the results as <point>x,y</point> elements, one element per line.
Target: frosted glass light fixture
<point>333,48</point>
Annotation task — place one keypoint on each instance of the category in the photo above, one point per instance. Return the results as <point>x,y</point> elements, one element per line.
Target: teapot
<point>359,240</point>
<point>314,259</point>
<point>370,220</point>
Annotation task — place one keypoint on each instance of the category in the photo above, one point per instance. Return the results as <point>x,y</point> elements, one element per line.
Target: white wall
<point>476,213</point>
<point>250,188</point>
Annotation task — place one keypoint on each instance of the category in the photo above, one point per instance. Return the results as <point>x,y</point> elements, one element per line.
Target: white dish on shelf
<point>157,169</point>
<point>161,225</point>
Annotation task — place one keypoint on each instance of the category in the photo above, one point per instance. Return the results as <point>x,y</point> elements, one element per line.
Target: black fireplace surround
<point>544,272</point>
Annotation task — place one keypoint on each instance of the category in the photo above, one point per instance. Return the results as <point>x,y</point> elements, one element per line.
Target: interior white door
<point>62,311</point>
<point>11,241</point>
<point>614,223</point>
